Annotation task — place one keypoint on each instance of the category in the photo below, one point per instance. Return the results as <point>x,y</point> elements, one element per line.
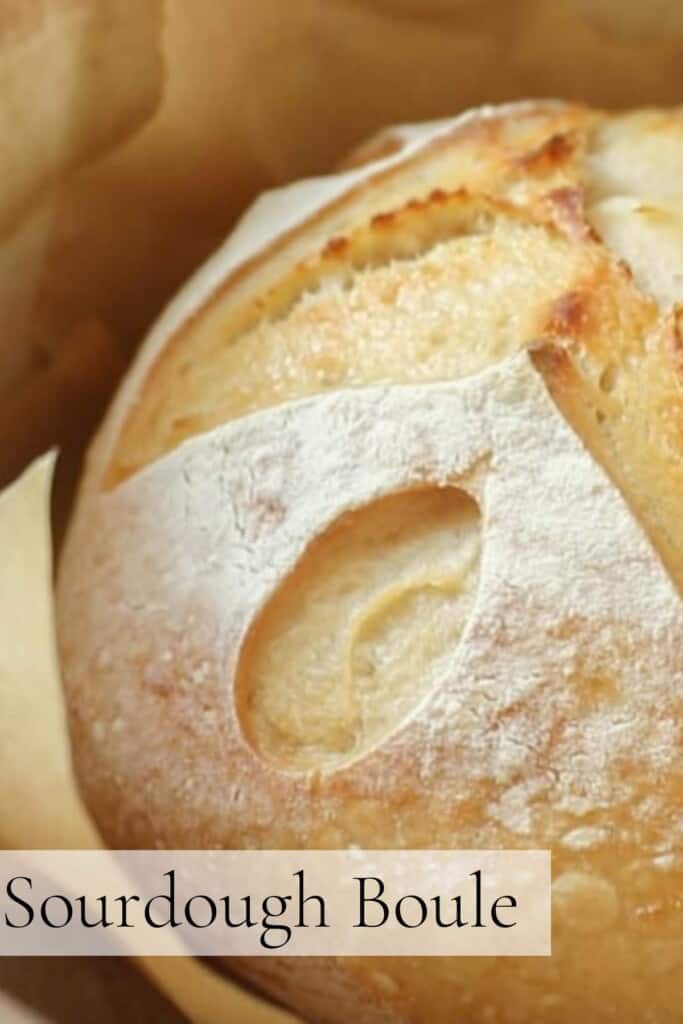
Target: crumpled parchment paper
<point>132,134</point>
<point>39,803</point>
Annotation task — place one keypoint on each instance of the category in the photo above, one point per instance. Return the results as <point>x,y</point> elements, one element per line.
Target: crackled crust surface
<point>381,544</point>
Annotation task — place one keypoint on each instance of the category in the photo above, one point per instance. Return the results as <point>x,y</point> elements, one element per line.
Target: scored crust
<point>279,329</point>
<point>232,716</point>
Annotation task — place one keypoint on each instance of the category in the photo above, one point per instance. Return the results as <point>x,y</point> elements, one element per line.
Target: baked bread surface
<point>381,544</point>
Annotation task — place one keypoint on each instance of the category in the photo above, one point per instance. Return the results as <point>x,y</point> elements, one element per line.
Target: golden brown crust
<point>433,273</point>
<point>482,154</point>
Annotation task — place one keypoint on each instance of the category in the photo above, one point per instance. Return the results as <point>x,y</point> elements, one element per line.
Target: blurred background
<point>133,135</point>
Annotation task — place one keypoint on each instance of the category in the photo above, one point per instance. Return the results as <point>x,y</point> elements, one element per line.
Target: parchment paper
<point>39,804</point>
<point>134,133</point>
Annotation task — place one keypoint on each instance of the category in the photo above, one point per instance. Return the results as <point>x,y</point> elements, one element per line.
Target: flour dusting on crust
<point>519,708</point>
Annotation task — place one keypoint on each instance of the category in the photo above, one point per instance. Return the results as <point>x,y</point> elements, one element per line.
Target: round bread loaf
<point>382,544</point>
